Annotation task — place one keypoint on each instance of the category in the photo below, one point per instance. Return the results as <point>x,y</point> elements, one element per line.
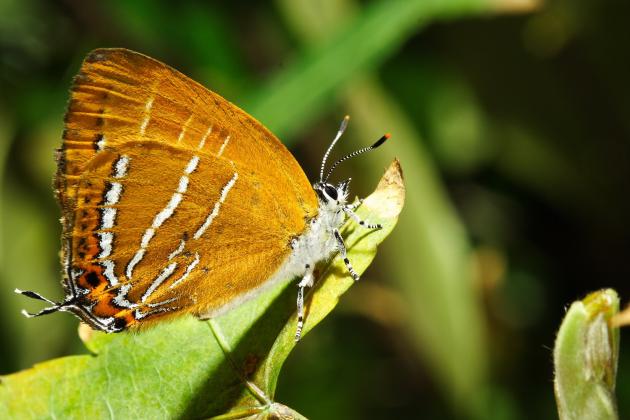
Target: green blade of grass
<point>430,257</point>
<point>296,96</point>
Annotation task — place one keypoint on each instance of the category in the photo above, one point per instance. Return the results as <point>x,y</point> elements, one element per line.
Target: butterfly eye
<point>330,191</point>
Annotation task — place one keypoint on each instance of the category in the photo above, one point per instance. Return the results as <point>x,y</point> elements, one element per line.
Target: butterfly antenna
<point>342,128</point>
<point>357,153</point>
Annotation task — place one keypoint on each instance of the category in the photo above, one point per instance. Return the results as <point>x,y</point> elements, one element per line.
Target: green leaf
<point>585,359</point>
<point>224,367</point>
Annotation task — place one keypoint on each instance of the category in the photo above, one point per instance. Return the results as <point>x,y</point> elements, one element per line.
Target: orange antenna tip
<point>387,135</point>
<point>380,141</point>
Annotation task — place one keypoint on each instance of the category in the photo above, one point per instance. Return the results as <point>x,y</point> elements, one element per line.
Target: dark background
<point>510,119</point>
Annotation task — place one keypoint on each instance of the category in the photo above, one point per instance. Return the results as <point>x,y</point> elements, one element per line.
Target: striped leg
<point>349,210</point>
<point>342,250</point>
<point>307,281</point>
<point>355,205</point>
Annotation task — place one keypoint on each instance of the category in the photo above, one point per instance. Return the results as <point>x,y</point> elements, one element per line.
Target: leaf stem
<point>240,414</point>
<point>225,347</point>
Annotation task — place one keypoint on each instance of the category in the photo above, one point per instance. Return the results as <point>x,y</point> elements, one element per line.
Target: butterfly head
<point>330,194</point>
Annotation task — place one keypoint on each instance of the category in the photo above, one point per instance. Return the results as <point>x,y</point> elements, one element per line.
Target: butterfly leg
<point>349,210</point>
<point>307,281</point>
<point>355,205</point>
<point>341,246</point>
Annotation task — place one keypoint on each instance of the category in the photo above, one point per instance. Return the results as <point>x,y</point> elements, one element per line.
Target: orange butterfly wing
<point>173,199</point>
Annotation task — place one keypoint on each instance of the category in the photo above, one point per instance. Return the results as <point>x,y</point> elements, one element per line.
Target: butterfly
<point>175,201</point>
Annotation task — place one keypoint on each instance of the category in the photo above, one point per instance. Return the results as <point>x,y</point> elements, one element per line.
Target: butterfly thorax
<point>317,243</point>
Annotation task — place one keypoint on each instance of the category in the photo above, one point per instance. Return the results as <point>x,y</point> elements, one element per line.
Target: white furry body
<point>318,242</point>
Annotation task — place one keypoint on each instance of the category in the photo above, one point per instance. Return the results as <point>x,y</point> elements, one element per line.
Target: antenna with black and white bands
<point>342,128</point>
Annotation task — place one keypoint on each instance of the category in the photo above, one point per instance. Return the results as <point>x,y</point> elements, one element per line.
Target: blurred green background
<point>511,121</point>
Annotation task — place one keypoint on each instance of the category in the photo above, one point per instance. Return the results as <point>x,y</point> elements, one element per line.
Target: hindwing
<point>173,199</point>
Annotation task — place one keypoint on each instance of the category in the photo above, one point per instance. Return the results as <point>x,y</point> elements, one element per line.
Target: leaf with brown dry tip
<point>227,367</point>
